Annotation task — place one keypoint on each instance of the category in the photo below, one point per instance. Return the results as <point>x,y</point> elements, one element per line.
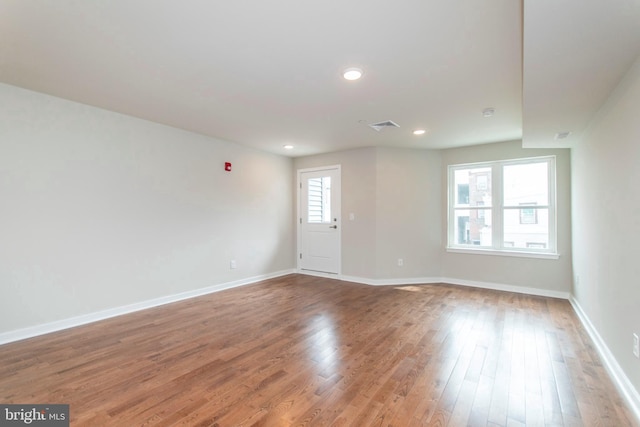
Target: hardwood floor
<point>301,350</point>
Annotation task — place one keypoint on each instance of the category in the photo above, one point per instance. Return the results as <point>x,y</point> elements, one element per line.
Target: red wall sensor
<point>227,166</point>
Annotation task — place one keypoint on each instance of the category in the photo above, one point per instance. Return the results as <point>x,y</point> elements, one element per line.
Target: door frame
<point>299,201</point>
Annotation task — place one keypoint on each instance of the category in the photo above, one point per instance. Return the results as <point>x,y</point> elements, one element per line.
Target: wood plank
<point>302,350</point>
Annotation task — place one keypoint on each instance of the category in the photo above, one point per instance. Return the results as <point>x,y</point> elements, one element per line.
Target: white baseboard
<point>507,288</point>
<point>459,282</point>
<point>33,331</point>
<point>620,379</point>
<point>391,282</point>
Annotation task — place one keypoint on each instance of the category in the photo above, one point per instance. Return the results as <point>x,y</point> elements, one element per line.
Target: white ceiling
<point>265,74</point>
<point>575,53</point>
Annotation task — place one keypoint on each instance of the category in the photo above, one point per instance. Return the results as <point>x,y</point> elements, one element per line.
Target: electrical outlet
<point>636,346</point>
<point>232,264</point>
<point>400,262</point>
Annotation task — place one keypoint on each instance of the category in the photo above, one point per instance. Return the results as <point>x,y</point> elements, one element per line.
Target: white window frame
<point>497,210</point>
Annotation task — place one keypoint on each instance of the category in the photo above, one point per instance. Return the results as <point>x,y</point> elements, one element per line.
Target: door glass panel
<point>319,200</point>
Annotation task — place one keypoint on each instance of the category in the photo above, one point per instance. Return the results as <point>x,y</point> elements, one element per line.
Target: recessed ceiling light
<point>288,147</point>
<point>419,132</point>
<point>352,73</point>
<point>488,112</point>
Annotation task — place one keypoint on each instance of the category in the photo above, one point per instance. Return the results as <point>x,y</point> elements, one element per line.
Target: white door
<point>319,220</point>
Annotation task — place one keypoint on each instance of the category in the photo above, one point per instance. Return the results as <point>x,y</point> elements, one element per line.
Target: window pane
<point>526,184</point>
<point>472,227</point>
<point>473,187</point>
<point>528,215</point>
<point>522,234</point>
<point>319,200</point>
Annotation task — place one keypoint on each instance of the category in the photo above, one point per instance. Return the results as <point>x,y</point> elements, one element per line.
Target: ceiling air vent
<point>379,126</point>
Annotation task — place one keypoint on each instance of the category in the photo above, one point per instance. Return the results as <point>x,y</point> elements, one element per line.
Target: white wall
<point>358,197</point>
<point>101,210</point>
<point>409,214</point>
<point>542,274</point>
<point>408,189</point>
<point>606,222</point>
<point>394,195</point>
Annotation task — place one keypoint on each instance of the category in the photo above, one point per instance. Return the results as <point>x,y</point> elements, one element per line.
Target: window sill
<point>520,254</point>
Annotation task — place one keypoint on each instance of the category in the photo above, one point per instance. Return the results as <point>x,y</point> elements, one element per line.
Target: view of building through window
<point>526,185</point>
<point>473,216</point>
<point>502,205</point>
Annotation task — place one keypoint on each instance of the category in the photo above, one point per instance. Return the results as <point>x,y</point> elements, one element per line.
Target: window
<point>472,213</point>
<point>463,194</point>
<point>481,182</point>
<point>503,206</point>
<point>528,215</point>
<point>481,212</point>
<point>319,208</point>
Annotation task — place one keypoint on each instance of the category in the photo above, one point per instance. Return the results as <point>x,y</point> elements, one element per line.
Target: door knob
<point>333,226</point>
